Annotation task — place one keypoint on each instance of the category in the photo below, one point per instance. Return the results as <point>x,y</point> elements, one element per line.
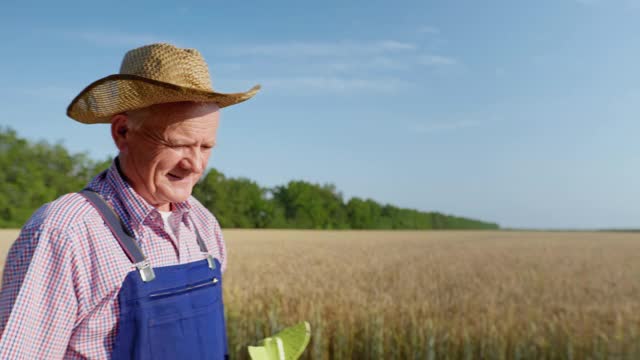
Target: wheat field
<point>435,294</point>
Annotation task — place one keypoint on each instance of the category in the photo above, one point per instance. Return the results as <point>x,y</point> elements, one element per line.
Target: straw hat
<point>151,74</point>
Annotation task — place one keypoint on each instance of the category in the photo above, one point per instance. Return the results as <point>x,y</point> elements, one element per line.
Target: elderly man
<point>130,267</point>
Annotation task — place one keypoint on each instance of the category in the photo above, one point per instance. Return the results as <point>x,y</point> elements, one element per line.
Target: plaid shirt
<point>63,273</point>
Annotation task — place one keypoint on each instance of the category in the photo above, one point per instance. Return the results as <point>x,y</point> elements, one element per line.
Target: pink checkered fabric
<point>63,273</point>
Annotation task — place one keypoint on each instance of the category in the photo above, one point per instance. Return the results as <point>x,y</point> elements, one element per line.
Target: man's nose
<point>193,161</point>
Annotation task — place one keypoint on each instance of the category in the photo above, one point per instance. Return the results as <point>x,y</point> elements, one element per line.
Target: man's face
<point>164,158</point>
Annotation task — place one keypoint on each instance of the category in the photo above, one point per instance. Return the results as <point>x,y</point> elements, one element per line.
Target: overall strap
<point>126,240</point>
<point>204,251</point>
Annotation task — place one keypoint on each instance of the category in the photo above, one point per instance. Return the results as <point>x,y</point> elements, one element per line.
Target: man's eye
<point>177,146</point>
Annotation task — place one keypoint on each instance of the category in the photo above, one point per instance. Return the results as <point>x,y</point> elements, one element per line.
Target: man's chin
<point>180,198</point>
<point>178,195</point>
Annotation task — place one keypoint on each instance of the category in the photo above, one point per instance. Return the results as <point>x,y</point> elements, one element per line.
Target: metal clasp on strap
<point>212,264</point>
<point>145,270</point>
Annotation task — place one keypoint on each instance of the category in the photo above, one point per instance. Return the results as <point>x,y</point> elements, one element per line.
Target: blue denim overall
<point>170,312</point>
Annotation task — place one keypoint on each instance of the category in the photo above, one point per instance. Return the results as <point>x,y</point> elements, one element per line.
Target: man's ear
<point>119,131</point>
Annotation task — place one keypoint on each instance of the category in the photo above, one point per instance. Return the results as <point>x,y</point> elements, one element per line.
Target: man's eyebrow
<point>182,142</point>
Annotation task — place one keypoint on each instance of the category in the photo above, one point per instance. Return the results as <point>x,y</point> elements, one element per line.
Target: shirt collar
<point>134,208</point>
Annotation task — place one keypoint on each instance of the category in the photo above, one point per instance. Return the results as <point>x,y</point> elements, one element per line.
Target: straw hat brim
<point>118,93</point>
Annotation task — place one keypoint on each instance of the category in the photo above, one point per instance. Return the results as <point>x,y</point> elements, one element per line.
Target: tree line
<point>34,173</point>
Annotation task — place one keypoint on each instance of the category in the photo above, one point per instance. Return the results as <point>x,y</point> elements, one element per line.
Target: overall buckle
<point>212,264</point>
<point>145,270</point>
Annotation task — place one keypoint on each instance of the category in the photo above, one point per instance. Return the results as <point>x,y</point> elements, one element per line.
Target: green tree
<point>310,206</point>
<point>34,174</point>
<point>238,203</point>
<point>366,214</point>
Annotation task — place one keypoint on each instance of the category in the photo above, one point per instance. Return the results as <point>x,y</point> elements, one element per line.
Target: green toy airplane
<point>288,344</point>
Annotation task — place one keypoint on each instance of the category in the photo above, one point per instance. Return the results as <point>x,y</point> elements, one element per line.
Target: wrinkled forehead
<point>161,116</point>
<point>177,110</point>
<point>186,108</point>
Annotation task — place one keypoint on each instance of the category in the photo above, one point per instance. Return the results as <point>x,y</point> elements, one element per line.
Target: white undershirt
<point>167,224</point>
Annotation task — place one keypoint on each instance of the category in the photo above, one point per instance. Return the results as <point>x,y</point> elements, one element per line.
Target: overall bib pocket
<point>172,336</point>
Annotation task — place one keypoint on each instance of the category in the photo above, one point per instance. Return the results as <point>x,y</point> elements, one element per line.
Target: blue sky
<point>521,113</point>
